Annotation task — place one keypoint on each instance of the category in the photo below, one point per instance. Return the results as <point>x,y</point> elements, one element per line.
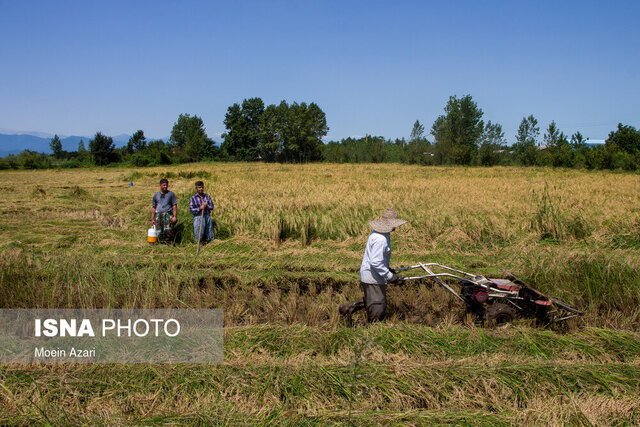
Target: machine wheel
<point>499,313</point>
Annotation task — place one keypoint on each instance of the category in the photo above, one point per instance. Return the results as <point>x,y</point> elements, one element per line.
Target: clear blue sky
<point>77,67</point>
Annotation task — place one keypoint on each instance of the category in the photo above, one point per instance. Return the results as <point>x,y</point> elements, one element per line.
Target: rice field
<point>289,241</point>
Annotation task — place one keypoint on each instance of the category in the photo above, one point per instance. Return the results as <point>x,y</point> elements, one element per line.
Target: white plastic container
<point>152,235</point>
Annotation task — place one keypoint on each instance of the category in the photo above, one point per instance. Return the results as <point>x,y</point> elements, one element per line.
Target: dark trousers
<point>374,301</point>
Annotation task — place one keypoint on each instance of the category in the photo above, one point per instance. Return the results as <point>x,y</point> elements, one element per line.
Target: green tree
<point>492,145</point>
<point>271,138</point>
<point>626,138</point>
<point>525,148</point>
<point>417,133</point>
<point>457,133</point>
<point>558,146</point>
<point>102,149</point>
<point>190,138</point>
<point>289,133</point>
<point>137,142</point>
<point>418,150</point>
<point>577,141</point>
<point>335,152</point>
<point>242,139</point>
<point>31,160</point>
<point>552,136</point>
<point>56,146</point>
<point>83,155</point>
<point>303,129</point>
<point>580,150</point>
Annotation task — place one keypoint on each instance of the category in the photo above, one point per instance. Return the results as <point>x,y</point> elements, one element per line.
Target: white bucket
<point>152,235</point>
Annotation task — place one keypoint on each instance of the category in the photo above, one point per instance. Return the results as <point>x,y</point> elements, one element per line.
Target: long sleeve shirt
<point>196,201</point>
<point>376,259</point>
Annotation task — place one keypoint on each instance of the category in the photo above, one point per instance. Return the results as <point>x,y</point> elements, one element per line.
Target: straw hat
<point>387,222</point>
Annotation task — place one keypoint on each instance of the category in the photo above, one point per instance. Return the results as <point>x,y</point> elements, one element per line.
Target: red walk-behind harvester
<point>495,301</point>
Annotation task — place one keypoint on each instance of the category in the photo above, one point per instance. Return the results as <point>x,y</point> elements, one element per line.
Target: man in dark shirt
<point>164,212</point>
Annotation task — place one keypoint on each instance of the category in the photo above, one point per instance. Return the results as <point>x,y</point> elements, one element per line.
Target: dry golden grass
<point>575,234</point>
<point>460,206</point>
<point>290,241</point>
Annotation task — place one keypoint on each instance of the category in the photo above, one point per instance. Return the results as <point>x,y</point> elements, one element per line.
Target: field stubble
<point>290,238</point>
<point>288,249</point>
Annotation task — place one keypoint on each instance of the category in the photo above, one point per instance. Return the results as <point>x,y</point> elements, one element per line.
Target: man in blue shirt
<point>374,270</point>
<point>201,207</point>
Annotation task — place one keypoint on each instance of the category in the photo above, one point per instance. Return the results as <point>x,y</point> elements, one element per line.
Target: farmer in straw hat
<point>374,271</point>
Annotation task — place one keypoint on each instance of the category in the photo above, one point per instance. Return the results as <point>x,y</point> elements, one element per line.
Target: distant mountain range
<point>15,143</point>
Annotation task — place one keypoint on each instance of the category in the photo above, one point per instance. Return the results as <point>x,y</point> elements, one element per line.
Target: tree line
<point>293,133</point>
<point>461,137</point>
